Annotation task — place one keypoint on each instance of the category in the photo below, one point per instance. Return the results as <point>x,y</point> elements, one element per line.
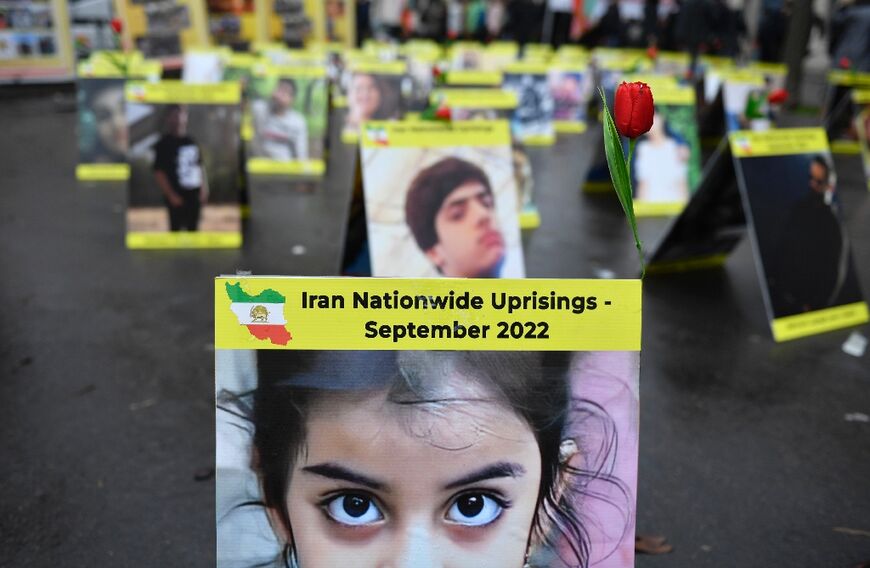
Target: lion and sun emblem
<point>260,314</point>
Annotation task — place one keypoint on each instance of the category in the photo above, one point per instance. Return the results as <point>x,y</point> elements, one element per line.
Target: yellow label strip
<point>658,208</point>
<point>430,134</point>
<point>778,142</point>
<point>434,313</point>
<point>476,98</point>
<point>227,92</point>
<point>569,126</point>
<point>195,240</point>
<point>473,77</point>
<point>102,172</point>
<point>266,166</point>
<point>379,67</point>
<point>845,77</point>
<point>684,265</point>
<point>819,321</point>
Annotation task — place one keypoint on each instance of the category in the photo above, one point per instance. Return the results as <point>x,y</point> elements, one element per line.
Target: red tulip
<point>652,52</point>
<point>777,96</point>
<point>633,109</point>
<point>117,25</point>
<point>442,113</point>
<point>845,62</point>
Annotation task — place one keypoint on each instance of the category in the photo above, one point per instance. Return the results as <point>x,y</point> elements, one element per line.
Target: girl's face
<point>657,131</point>
<point>384,485</point>
<point>364,95</point>
<point>108,110</point>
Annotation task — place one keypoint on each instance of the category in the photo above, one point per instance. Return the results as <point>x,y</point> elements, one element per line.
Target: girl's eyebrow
<point>341,473</point>
<point>492,471</point>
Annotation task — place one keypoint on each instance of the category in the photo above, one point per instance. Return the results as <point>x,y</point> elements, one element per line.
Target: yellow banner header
<point>243,60</point>
<point>679,57</point>
<point>432,134</point>
<point>819,321</point>
<point>127,69</point>
<point>665,94</point>
<point>576,65</point>
<point>527,68</point>
<point>743,75</point>
<point>778,142</point>
<point>476,98</point>
<point>378,67</point>
<point>769,68</point>
<point>427,314</point>
<point>474,77</point>
<point>846,77</point>
<point>290,70</point>
<point>717,62</point>
<point>861,96</point>
<point>167,92</point>
<point>656,82</point>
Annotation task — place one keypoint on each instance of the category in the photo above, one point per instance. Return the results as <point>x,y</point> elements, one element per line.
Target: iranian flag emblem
<point>262,314</point>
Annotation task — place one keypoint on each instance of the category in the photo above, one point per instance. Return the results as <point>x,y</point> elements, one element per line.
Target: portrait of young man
<point>280,131</point>
<point>450,210</point>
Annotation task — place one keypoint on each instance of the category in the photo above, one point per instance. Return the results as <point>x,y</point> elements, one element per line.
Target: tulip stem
<point>631,143</point>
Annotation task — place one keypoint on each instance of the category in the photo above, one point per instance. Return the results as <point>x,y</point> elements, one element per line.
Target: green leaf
<point>619,174</point>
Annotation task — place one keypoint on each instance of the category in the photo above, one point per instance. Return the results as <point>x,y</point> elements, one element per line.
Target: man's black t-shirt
<point>180,159</point>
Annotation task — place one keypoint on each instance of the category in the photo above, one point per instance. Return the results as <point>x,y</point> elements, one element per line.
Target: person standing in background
<point>179,172</point>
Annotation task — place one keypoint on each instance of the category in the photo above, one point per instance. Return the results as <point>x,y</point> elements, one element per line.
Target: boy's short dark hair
<point>428,191</point>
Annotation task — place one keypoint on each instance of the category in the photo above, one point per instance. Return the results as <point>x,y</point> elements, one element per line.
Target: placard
<point>477,104</point>
<point>184,165</point>
<point>102,120</point>
<point>163,29</point>
<point>571,86</point>
<point>35,42</point>
<point>204,65</point>
<point>340,421</point>
<point>441,199</point>
<point>468,56</point>
<point>840,111</point>
<point>667,160</point>
<point>289,107</point>
<point>532,122</point>
<point>598,178</point>
<point>737,88</point>
<point>861,99</point>
<point>496,104</point>
<point>340,22</point>
<point>421,69</point>
<point>374,93</point>
<point>474,78</point>
<point>803,251</point>
<point>711,225</point>
<point>232,23</point>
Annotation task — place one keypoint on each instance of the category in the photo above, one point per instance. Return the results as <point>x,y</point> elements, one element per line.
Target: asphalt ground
<point>106,369</point>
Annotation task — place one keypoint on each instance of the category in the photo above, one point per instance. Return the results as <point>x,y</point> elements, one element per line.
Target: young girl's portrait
<point>425,459</point>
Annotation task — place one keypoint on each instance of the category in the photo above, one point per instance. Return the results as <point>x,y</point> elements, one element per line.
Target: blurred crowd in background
<point>714,27</point>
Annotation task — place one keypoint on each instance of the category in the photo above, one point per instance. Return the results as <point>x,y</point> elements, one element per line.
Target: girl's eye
<point>474,510</point>
<point>353,509</point>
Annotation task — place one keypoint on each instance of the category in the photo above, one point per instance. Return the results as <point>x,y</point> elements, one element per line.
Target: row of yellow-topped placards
<point>168,29</point>
<point>35,42</point>
<point>286,100</point>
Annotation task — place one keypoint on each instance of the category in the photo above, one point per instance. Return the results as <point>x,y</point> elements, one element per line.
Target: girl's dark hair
<point>389,105</point>
<point>534,385</point>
